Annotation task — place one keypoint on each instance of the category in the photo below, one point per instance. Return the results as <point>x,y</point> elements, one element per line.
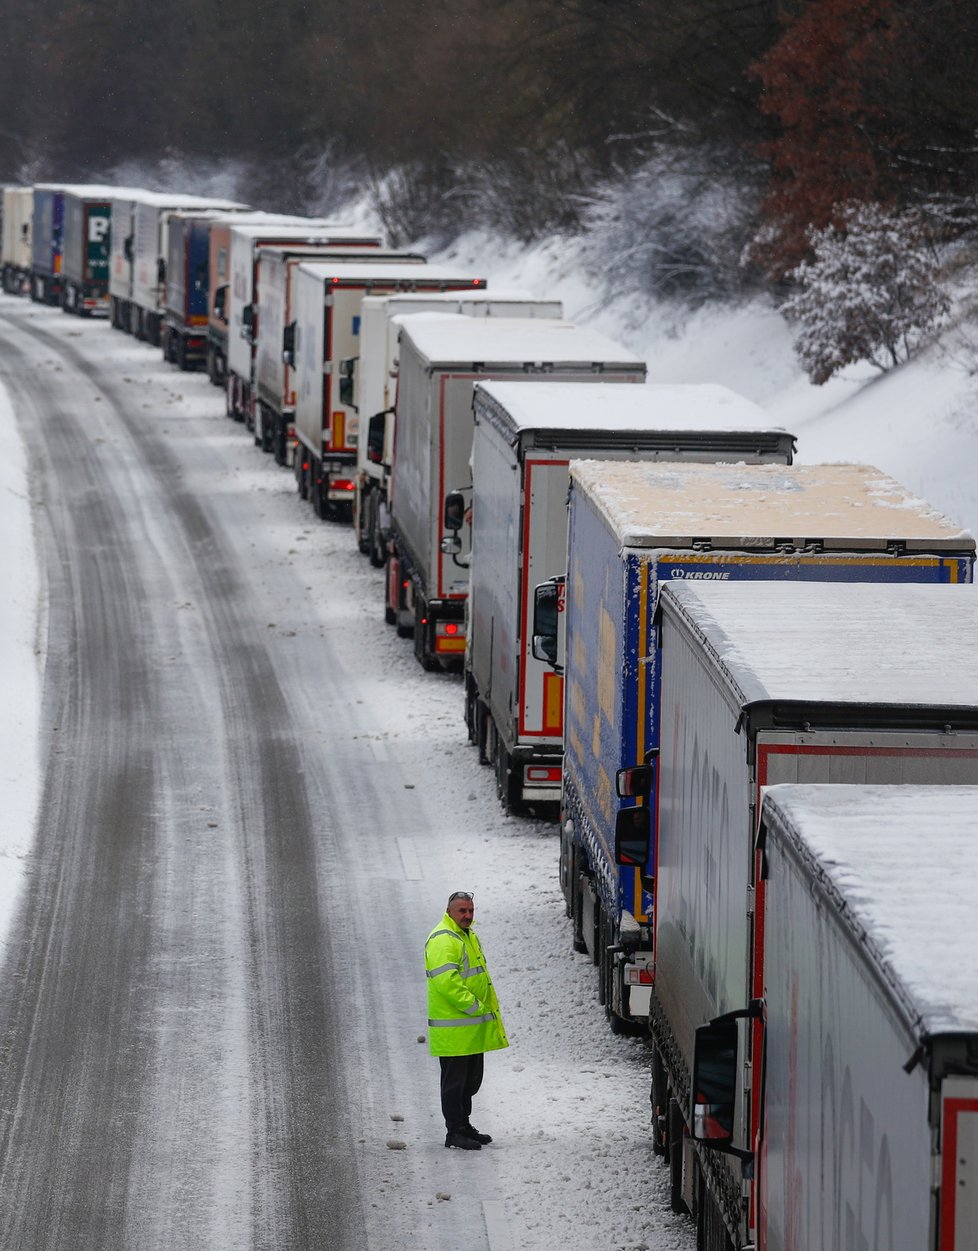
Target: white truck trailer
<point>867,1091</point>
<point>763,684</point>
<point>441,358</point>
<point>375,390</point>
<point>634,529</point>
<point>241,302</point>
<point>18,213</point>
<point>525,438</point>
<point>150,250</point>
<point>324,336</point>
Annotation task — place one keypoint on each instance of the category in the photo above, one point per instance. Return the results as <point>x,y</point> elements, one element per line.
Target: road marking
<point>409,860</point>
<point>497,1227</point>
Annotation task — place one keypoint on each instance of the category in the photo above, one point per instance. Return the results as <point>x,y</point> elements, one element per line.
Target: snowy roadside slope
<point>20,664</point>
<point>918,423</point>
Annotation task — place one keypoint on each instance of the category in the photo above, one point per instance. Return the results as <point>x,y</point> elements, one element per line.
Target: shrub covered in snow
<point>869,293</point>
<point>675,225</point>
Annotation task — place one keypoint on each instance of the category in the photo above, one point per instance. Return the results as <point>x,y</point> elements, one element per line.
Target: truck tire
<point>361,518</point>
<point>507,787</point>
<point>422,653</point>
<point>577,903</point>
<point>376,552</point>
<point>181,354</point>
<point>659,1100</point>
<point>676,1130</point>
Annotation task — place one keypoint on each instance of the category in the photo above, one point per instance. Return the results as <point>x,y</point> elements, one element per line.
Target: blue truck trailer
<point>47,239</point>
<point>631,528</point>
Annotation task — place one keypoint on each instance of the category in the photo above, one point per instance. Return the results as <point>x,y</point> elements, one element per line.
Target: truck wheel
<point>376,551</point>
<point>676,1130</point>
<point>362,514</point>
<point>422,653</point>
<point>604,987</point>
<point>502,773</point>
<point>470,717</point>
<point>181,354</point>
<point>658,1098</point>
<point>577,903</point>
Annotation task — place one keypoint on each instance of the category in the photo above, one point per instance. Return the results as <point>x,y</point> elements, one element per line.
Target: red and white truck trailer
<point>240,305</point>
<point>151,252</point>
<point>764,684</point>
<point>15,256</point>
<point>323,339</point>
<point>634,530</point>
<point>866,1077</point>
<point>375,390</point>
<point>441,358</point>
<point>524,441</point>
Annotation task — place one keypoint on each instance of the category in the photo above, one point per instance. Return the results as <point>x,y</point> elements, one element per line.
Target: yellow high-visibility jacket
<point>463,1011</point>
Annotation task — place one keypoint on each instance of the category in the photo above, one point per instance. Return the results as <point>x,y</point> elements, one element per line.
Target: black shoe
<point>455,1138</point>
<point>471,1132</point>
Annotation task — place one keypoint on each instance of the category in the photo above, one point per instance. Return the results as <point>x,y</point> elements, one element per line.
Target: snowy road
<point>254,804</point>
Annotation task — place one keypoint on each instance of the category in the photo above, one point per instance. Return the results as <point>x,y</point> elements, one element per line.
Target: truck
<point>87,233</point>
<point>867,1103</point>
<point>375,388</point>
<point>441,358</point>
<point>634,530</point>
<point>151,245</point>
<point>18,213</point>
<point>322,341</point>
<point>241,298</point>
<point>861,684</point>
<point>47,241</point>
<point>524,441</point>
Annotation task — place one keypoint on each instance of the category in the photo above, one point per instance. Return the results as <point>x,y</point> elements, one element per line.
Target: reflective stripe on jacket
<point>463,1011</point>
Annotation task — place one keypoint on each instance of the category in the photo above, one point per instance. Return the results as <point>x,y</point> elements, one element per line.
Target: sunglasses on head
<point>460,894</point>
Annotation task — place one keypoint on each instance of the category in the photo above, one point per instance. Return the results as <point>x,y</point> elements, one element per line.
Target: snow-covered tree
<point>869,293</point>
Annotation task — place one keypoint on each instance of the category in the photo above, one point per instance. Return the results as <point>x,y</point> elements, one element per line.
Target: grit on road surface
<point>254,804</point>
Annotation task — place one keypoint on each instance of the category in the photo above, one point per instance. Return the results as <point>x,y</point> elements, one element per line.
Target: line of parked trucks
<point>746,688</point>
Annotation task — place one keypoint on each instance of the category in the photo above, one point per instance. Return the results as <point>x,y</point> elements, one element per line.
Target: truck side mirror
<point>347,374</point>
<point>635,782</point>
<point>220,303</point>
<point>126,248</point>
<point>715,1083</point>
<point>453,517</point>
<point>288,344</point>
<point>633,837</point>
<point>546,608</point>
<point>376,434</point>
<point>248,316</point>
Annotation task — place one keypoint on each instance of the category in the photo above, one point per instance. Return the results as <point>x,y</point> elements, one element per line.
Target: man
<point>463,1017</point>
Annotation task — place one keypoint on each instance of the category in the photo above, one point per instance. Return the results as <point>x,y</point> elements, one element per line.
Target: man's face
<point>462,911</point>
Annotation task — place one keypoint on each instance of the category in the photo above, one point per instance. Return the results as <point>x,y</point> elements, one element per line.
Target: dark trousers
<point>461,1077</point>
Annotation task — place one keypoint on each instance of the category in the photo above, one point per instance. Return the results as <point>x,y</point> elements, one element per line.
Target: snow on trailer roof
<point>888,645</point>
<point>178,200</point>
<point>402,301</point>
<point>87,191</point>
<point>585,406</point>
<point>410,270</point>
<point>917,910</point>
<point>840,507</point>
<point>299,227</point>
<point>450,340</point>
